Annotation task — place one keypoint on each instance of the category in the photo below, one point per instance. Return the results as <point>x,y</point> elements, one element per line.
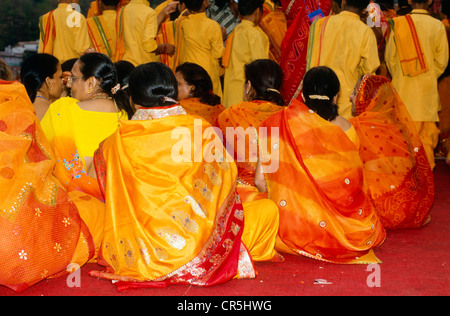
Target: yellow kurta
<point>249,43</point>
<point>203,45</point>
<point>420,93</point>
<point>71,38</point>
<point>349,47</point>
<point>140,26</point>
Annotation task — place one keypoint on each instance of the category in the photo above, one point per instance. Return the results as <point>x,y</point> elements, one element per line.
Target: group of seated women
<point>91,176</point>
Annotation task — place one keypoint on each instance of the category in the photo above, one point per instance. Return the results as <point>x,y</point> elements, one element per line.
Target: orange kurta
<point>399,177</point>
<point>314,174</point>
<point>41,231</point>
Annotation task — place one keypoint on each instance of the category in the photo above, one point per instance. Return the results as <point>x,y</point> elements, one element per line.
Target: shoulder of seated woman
<point>343,123</point>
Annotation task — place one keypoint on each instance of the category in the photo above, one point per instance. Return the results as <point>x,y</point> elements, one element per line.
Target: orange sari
<point>41,231</point>
<point>169,222</point>
<point>245,118</point>
<point>319,188</point>
<point>399,177</point>
<point>210,113</point>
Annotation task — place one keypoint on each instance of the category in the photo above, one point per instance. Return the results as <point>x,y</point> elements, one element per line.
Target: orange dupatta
<point>410,53</point>
<point>210,113</point>
<point>399,177</point>
<point>168,222</point>
<point>41,231</point>
<point>319,188</point>
<point>47,32</point>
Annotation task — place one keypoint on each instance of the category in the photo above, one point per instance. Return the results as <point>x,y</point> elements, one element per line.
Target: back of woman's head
<point>152,84</point>
<point>266,77</point>
<point>198,77</point>
<point>102,68</point>
<point>320,86</point>
<point>35,70</point>
<point>247,7</point>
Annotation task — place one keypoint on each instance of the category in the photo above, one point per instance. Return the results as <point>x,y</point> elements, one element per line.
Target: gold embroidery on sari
<point>143,250</point>
<point>196,207</point>
<point>185,220</point>
<point>203,188</point>
<point>172,238</point>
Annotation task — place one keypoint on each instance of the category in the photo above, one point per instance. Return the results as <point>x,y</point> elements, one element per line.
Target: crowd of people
<point>179,145</point>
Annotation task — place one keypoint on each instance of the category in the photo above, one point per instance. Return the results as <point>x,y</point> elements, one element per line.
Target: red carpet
<point>415,263</point>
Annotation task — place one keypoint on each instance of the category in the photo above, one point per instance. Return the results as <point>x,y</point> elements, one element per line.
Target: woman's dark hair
<point>68,64</point>
<point>323,82</point>
<point>35,70</point>
<point>266,77</point>
<point>197,76</point>
<point>358,4</point>
<point>193,5</point>
<point>102,68</point>
<point>124,69</point>
<point>247,7</point>
<point>151,84</point>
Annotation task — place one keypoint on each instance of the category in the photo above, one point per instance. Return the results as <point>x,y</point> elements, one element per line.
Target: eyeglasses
<point>71,79</point>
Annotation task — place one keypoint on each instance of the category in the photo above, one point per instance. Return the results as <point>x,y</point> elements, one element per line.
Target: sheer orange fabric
<point>319,188</point>
<point>41,231</point>
<point>243,120</point>
<point>399,177</point>
<point>193,106</point>
<point>274,24</point>
<point>169,221</point>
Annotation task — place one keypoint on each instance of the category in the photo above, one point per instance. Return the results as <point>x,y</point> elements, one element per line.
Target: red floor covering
<point>415,263</point>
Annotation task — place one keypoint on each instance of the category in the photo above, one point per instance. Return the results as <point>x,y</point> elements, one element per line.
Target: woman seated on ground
<point>171,216</point>
<point>41,74</point>
<point>76,125</point>
<point>43,231</point>
<point>319,186</point>
<point>399,177</point>
<point>195,92</point>
<point>262,99</point>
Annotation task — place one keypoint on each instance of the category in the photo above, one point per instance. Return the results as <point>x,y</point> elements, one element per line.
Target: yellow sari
<point>41,230</point>
<point>169,222</point>
<point>75,134</point>
<point>243,116</point>
<point>319,188</point>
